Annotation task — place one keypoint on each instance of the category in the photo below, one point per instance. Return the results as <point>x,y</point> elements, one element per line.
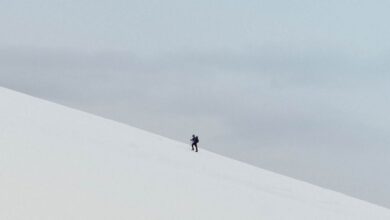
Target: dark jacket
<point>195,140</point>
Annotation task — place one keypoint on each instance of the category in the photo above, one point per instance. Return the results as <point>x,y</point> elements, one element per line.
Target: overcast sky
<point>297,87</point>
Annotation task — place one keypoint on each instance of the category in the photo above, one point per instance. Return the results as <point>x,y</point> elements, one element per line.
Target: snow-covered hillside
<point>58,163</point>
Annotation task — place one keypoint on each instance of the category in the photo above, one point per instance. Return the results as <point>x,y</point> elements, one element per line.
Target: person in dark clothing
<point>195,141</point>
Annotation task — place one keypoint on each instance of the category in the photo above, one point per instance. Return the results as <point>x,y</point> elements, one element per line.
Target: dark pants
<point>195,145</point>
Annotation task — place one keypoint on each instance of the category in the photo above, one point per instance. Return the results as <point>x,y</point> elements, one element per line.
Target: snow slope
<point>58,163</point>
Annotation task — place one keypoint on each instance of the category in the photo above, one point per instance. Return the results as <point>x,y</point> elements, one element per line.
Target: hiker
<point>195,141</point>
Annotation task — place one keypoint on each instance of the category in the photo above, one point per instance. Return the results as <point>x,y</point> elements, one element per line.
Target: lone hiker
<point>195,141</point>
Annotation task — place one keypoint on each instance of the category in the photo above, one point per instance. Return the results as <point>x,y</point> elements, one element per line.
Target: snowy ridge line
<point>87,114</point>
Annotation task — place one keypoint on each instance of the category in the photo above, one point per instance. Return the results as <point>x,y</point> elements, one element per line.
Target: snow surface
<point>58,163</point>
